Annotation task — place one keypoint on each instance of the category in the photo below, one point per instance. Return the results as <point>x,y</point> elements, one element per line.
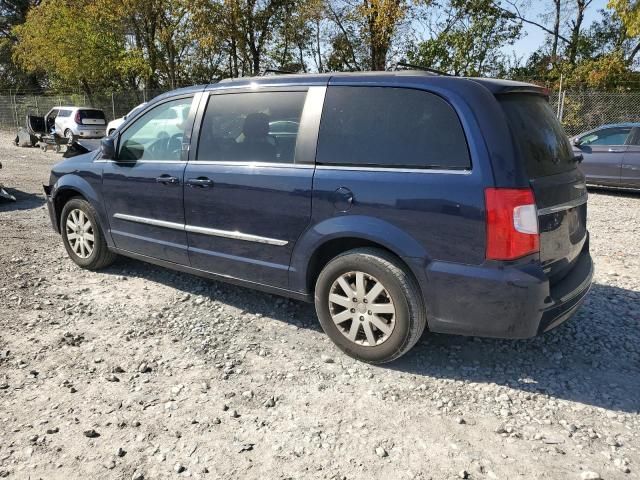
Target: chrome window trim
<point>564,206</point>
<point>133,162</point>
<point>394,169</point>
<point>231,163</point>
<point>202,230</point>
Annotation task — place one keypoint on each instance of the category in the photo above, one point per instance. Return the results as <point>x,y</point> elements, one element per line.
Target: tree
<point>13,13</point>
<point>74,42</point>
<point>629,13</point>
<point>468,40</point>
<point>364,31</point>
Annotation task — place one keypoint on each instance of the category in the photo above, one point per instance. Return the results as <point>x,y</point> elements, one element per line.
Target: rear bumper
<point>503,302</point>
<point>91,132</point>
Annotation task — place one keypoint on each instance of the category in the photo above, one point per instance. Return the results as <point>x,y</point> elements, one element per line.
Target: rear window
<point>390,127</point>
<point>539,137</point>
<point>94,114</point>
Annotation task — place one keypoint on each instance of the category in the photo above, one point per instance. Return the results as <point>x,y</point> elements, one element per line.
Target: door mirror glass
<point>108,148</point>
<point>576,142</point>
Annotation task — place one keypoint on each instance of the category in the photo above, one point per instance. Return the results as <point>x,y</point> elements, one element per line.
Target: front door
<point>630,171</point>
<point>603,151</point>
<point>248,183</point>
<point>143,187</point>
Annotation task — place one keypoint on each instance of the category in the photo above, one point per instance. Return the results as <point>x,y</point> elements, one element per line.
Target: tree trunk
<point>320,69</point>
<point>556,32</point>
<point>581,6</point>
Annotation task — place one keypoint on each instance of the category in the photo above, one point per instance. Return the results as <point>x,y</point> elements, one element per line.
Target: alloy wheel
<point>362,308</point>
<point>80,233</point>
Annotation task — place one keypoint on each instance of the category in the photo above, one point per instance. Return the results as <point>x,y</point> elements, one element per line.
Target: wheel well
<point>331,249</point>
<point>61,199</point>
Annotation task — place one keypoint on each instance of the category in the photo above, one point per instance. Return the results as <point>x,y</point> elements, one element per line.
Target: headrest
<point>256,125</point>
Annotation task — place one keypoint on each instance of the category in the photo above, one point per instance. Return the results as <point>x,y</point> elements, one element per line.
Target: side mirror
<point>575,142</point>
<point>108,148</point>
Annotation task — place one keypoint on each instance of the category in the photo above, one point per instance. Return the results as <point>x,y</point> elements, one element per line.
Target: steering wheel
<point>174,145</point>
<point>166,147</point>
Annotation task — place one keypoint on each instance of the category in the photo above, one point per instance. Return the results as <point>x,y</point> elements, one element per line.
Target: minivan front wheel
<point>369,305</point>
<point>82,237</point>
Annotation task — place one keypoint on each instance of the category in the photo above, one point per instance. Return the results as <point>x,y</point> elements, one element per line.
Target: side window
<point>606,136</point>
<point>64,113</point>
<point>251,127</point>
<point>390,127</point>
<point>157,135</point>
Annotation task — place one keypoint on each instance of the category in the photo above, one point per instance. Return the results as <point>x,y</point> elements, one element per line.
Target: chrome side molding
<point>149,221</point>
<point>202,230</point>
<point>235,235</point>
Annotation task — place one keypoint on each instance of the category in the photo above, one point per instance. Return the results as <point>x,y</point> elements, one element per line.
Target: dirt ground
<point>139,372</point>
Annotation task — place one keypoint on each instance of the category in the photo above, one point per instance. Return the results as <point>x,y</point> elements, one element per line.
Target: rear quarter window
<point>540,140</point>
<point>390,127</point>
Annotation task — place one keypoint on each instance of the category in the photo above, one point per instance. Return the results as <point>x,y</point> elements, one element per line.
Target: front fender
<point>89,188</point>
<point>352,226</point>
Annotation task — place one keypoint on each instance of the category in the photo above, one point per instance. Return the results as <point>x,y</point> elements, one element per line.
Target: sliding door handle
<point>203,182</point>
<point>167,179</point>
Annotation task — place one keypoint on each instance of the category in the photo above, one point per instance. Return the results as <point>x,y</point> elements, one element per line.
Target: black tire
<point>69,136</point>
<point>100,256</point>
<point>410,314</point>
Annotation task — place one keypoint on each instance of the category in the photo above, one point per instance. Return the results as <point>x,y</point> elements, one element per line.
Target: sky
<point>535,36</point>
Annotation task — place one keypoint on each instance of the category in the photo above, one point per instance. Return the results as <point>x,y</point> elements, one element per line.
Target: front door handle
<point>167,179</point>
<point>203,182</point>
<point>616,150</point>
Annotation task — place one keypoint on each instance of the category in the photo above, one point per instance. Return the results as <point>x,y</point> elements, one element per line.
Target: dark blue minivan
<point>394,200</point>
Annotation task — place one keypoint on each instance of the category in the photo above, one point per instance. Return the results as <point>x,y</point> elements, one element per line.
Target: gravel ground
<point>139,372</point>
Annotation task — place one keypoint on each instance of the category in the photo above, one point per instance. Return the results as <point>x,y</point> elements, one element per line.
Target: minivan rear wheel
<point>82,237</point>
<point>370,305</point>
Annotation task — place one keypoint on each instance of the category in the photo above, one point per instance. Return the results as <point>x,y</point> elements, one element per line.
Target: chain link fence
<point>582,111</point>
<point>14,108</point>
<point>578,111</point>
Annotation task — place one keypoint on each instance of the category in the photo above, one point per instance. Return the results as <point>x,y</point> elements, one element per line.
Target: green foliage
<point>74,42</point>
<point>629,12</point>
<point>469,40</point>
<point>102,45</point>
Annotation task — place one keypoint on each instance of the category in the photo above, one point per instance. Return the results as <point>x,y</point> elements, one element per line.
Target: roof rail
<point>277,72</point>
<point>424,69</point>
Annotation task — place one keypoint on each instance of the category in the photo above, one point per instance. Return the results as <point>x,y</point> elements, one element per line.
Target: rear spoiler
<point>504,87</point>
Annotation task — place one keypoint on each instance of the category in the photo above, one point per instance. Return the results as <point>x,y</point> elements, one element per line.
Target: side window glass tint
<point>608,136</point>
<point>390,127</point>
<point>157,135</point>
<point>251,127</point>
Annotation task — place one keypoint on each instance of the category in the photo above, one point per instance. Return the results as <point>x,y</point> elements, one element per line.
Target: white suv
<point>76,122</point>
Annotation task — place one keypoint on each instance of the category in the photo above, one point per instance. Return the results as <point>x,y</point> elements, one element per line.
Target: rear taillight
<point>78,119</point>
<point>512,223</point>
